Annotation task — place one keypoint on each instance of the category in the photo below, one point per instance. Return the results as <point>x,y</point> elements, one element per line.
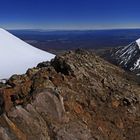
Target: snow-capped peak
<point>16,56</point>
<point>128,56</point>
<point>138,42</point>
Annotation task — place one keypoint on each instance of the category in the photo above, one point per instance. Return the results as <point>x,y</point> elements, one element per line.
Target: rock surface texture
<point>77,96</point>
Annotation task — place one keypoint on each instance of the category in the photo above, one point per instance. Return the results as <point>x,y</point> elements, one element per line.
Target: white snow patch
<point>137,64</point>
<point>138,42</point>
<point>16,56</point>
<point>138,74</point>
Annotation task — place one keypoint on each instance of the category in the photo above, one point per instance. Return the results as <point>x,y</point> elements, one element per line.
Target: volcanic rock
<point>76,96</point>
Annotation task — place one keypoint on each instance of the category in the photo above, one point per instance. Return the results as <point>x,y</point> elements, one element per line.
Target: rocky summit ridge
<point>76,96</point>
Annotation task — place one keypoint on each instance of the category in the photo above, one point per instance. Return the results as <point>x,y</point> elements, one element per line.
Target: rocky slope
<point>77,96</point>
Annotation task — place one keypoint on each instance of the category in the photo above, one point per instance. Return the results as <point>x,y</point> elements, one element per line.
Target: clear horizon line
<point>72,29</point>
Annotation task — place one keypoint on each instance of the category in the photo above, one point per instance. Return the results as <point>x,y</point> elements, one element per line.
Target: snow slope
<point>16,56</point>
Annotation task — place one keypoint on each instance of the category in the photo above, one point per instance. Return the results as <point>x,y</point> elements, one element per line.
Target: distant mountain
<point>16,56</point>
<point>127,57</point>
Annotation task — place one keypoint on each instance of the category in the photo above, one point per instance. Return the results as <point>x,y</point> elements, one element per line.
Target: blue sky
<point>69,14</point>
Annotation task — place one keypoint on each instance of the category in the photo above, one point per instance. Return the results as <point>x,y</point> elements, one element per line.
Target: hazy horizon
<point>73,29</point>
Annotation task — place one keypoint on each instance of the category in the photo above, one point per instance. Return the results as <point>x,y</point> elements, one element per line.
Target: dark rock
<point>61,65</point>
<point>1,103</point>
<point>44,64</point>
<point>127,101</point>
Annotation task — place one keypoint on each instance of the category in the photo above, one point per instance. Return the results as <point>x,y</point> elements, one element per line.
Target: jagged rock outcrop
<point>76,96</point>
